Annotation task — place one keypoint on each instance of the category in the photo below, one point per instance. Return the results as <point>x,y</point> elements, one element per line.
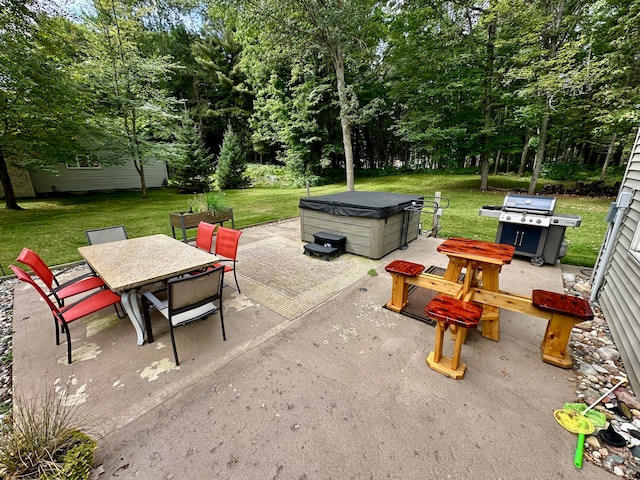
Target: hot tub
<point>375,223</point>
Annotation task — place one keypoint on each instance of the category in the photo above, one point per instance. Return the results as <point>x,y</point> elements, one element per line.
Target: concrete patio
<point>315,381</point>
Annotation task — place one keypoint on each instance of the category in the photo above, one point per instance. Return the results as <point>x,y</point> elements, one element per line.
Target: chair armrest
<point>72,281</point>
<point>86,297</point>
<point>155,301</point>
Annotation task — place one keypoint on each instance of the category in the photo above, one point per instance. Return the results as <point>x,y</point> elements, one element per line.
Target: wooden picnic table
<point>482,262</point>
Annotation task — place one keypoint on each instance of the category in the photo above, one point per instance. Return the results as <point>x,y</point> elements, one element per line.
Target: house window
<point>83,161</point>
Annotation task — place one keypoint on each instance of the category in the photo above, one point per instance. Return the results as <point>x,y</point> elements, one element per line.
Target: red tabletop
<point>487,252</point>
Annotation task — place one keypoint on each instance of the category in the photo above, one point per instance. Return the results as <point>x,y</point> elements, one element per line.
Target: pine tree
<point>191,168</point>
<point>232,162</point>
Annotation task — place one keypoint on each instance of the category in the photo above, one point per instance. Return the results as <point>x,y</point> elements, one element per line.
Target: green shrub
<point>278,176</point>
<point>73,460</point>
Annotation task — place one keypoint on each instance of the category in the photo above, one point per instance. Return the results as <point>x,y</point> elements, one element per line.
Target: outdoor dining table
<point>482,262</point>
<point>128,266</point>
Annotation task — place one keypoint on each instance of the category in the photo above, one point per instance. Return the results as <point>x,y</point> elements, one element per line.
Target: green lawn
<point>54,227</point>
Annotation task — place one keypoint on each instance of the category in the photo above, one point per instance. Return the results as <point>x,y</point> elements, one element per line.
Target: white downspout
<point>624,200</point>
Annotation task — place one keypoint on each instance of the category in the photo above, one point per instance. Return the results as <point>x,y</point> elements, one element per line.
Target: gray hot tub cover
<point>379,205</point>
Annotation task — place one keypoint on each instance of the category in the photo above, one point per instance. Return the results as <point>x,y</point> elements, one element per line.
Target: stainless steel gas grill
<point>530,224</point>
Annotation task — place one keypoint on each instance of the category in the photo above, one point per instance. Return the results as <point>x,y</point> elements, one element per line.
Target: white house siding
<point>115,177</point>
<point>619,296</point>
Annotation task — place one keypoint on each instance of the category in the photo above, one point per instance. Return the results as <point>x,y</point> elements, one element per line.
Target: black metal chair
<point>189,298</point>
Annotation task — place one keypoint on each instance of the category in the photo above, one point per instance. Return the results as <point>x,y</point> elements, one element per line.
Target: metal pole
<point>623,202</point>
<point>436,216</point>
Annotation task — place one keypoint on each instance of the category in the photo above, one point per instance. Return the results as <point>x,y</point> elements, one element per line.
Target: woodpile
<point>592,189</point>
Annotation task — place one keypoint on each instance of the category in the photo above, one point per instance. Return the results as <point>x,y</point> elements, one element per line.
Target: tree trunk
<point>537,164</point>
<point>484,171</point>
<point>612,145</point>
<point>9,195</point>
<point>525,154</point>
<point>496,163</point>
<point>624,155</point>
<point>487,103</point>
<point>338,63</point>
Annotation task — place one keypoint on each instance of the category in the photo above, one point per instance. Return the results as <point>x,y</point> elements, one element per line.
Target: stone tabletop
<point>135,262</point>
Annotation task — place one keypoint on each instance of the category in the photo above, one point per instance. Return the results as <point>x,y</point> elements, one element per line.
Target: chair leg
<point>55,322</point>
<point>236,279</point>
<point>173,344</point>
<point>65,327</point>
<point>224,336</point>
<point>120,312</point>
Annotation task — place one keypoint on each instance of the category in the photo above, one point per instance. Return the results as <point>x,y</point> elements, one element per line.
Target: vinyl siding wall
<point>115,177</point>
<point>619,296</point>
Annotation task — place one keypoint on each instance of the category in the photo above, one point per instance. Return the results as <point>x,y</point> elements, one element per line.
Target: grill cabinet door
<point>525,238</point>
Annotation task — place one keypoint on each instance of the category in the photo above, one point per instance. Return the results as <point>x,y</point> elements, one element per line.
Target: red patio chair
<point>58,290</point>
<point>227,246</point>
<point>63,316</point>
<point>204,237</point>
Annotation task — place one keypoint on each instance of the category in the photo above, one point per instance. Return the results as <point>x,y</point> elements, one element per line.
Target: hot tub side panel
<point>368,237</point>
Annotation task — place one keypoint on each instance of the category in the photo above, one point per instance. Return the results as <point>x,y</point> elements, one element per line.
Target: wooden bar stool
<point>566,311</point>
<point>400,270</point>
<point>451,311</point>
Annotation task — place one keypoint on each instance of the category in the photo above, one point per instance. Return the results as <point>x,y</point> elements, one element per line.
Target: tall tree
<point>41,106</point>
<point>548,65</point>
<point>129,82</point>
<point>334,30</point>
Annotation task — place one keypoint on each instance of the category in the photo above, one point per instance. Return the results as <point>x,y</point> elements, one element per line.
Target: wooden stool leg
<point>399,293</point>
<point>556,340</point>
<point>457,348</point>
<point>437,350</point>
<point>458,332</point>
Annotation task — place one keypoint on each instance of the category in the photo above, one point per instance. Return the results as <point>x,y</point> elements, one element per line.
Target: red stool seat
<point>454,311</point>
<point>403,267</point>
<point>564,304</point>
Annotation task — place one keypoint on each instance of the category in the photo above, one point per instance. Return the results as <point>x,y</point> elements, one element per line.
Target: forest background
<point>320,86</point>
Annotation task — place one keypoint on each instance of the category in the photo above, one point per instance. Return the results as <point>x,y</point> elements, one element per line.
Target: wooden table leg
<point>452,274</point>
<point>556,340</point>
<point>490,314</point>
<point>454,269</point>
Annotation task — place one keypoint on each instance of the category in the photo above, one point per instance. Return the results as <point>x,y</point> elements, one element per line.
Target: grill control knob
<point>538,221</point>
<point>508,217</point>
<point>523,219</point>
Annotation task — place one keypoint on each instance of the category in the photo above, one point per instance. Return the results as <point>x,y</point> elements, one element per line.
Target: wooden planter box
<point>186,220</point>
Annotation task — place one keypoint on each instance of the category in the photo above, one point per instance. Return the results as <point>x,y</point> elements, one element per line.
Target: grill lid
<point>529,203</point>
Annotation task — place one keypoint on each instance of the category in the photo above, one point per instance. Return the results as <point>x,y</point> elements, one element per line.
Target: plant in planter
<point>212,202</point>
<point>205,207</point>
